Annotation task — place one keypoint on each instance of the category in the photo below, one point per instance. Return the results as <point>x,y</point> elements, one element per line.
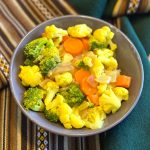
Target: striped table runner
<point>17,17</point>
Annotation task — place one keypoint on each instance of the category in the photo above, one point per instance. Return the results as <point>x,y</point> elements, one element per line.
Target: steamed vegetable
<point>52,111</point>
<point>121,93</point>
<point>93,117</point>
<point>53,32</point>
<point>123,81</point>
<point>103,34</point>
<point>109,101</point>
<point>72,95</point>
<point>79,31</point>
<point>52,88</point>
<point>63,79</point>
<point>81,74</point>
<point>47,64</point>
<point>33,99</point>
<point>73,46</point>
<point>30,75</point>
<point>32,49</point>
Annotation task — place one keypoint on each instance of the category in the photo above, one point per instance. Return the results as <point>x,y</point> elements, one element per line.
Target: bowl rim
<point>72,134</point>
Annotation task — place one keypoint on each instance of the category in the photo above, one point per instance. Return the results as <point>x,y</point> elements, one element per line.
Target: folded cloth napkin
<point>17,18</point>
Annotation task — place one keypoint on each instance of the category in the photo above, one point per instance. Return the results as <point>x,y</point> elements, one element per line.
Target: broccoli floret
<point>51,52</point>
<point>47,64</point>
<point>51,115</point>
<point>33,99</point>
<point>48,58</point>
<point>33,48</point>
<point>96,45</point>
<point>28,62</point>
<point>73,95</point>
<point>43,52</point>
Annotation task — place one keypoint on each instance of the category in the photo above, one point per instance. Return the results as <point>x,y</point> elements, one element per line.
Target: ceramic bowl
<point>128,59</point>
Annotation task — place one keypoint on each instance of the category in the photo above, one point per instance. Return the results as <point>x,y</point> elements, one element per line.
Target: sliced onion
<point>103,79</point>
<point>62,68</point>
<point>44,82</point>
<point>91,81</point>
<point>113,74</point>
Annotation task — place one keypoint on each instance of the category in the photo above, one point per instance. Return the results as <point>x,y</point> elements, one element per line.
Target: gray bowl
<point>127,56</point>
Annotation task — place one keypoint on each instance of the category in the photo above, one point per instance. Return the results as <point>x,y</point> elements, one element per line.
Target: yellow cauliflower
<point>53,32</point>
<point>68,118</point>
<point>76,121</point>
<point>64,115</point>
<point>109,63</point>
<point>109,102</point>
<point>87,61</point>
<point>103,34</point>
<point>113,46</point>
<point>101,87</point>
<point>63,79</point>
<point>30,75</point>
<point>121,93</point>
<point>55,103</point>
<point>98,68</point>
<point>67,58</point>
<point>79,31</point>
<point>52,88</point>
<point>93,118</point>
<point>104,52</point>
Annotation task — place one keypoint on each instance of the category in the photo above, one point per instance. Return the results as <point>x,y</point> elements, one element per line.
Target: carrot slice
<point>73,46</point>
<point>85,42</point>
<point>86,88</point>
<point>94,98</point>
<point>123,81</point>
<point>80,74</point>
<point>65,38</point>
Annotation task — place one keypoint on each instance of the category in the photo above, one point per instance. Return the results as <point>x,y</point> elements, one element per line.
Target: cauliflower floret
<point>109,63</point>
<point>65,109</point>
<point>104,53</point>
<point>63,79</point>
<point>97,68</point>
<point>58,100</point>
<point>79,31</point>
<point>64,115</point>
<point>30,75</point>
<point>53,32</point>
<point>68,118</point>
<point>67,58</point>
<point>52,88</point>
<point>93,118</point>
<point>113,46</point>
<point>122,93</point>
<point>88,61</point>
<point>101,112</point>
<point>101,87</point>
<point>109,102</point>
<point>103,34</point>
<point>65,120</point>
<point>76,121</point>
